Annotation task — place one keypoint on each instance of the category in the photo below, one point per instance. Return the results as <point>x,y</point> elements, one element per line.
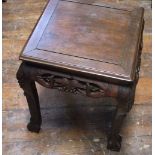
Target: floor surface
<point>72,125</point>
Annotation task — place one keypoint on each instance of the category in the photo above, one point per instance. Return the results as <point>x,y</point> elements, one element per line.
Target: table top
<point>87,37</point>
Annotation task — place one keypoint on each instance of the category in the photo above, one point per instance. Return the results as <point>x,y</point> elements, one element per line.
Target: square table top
<point>87,37</point>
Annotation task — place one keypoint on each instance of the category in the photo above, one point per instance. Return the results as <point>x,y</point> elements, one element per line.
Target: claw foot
<point>33,127</point>
<point>114,143</point>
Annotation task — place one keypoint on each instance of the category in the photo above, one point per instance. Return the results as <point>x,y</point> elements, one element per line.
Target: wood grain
<point>58,138</point>
<point>64,39</point>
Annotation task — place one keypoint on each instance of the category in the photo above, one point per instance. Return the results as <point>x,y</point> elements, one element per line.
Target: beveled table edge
<point>53,4</point>
<point>119,79</point>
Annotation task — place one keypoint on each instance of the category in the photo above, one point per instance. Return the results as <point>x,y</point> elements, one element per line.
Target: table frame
<point>29,73</point>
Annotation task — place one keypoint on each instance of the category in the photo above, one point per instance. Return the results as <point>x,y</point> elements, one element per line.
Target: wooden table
<point>84,48</point>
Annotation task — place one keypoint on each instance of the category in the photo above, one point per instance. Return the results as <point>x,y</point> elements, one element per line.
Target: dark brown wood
<point>125,99</point>
<point>84,49</point>
<point>26,82</point>
<point>104,45</point>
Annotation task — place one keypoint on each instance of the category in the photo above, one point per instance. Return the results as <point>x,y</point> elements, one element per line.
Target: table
<point>84,48</point>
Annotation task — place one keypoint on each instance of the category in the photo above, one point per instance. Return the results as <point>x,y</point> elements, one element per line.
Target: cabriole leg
<point>26,82</point>
<point>125,101</point>
<point>114,139</point>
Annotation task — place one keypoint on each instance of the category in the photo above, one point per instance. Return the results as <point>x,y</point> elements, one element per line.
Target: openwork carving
<point>124,94</point>
<point>28,74</point>
<point>33,70</point>
<point>69,85</point>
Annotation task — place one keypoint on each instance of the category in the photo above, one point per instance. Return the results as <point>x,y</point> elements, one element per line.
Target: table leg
<point>125,101</point>
<point>114,139</point>
<point>27,83</point>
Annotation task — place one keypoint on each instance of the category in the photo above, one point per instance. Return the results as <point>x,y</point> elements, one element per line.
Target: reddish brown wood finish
<point>86,49</point>
<point>87,38</point>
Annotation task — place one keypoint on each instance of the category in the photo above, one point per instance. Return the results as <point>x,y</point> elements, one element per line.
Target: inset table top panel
<point>90,38</point>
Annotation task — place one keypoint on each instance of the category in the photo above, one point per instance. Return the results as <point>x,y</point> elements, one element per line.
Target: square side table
<point>88,49</point>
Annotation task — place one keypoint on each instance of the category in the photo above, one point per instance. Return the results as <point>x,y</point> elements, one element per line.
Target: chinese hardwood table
<point>84,48</point>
